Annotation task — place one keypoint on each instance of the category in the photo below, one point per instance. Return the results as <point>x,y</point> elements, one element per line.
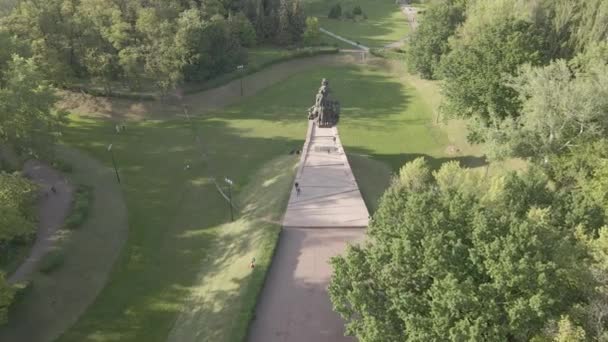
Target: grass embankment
<point>184,271</point>
<point>385,23</point>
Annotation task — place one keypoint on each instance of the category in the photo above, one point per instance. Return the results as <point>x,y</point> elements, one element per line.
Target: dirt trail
<point>202,102</point>
<point>53,207</point>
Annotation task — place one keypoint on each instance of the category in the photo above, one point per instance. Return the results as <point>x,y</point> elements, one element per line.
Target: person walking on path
<point>297,189</point>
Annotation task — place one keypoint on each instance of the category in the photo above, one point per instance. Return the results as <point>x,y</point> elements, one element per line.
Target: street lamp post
<point>240,68</point>
<point>114,163</point>
<point>229,182</point>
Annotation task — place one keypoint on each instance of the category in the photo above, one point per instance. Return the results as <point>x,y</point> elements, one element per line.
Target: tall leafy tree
<point>430,40</point>
<point>284,33</point>
<point>297,22</point>
<point>453,257</point>
<point>28,122</point>
<point>474,69</point>
<point>562,106</point>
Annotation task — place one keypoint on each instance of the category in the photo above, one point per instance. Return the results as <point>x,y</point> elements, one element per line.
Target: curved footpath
<point>53,208</point>
<point>328,213</point>
<point>56,300</point>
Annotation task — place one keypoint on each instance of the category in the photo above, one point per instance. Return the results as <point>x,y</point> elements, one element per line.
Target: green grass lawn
<point>385,23</point>
<point>184,270</point>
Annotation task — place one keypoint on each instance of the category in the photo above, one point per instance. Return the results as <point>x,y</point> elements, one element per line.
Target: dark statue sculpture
<point>326,112</point>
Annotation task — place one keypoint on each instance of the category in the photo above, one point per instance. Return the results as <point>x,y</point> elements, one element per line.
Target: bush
<point>17,220</point>
<point>20,290</point>
<point>335,12</point>
<point>52,261</point>
<point>81,203</point>
<point>62,166</point>
<point>312,34</point>
<point>7,296</point>
<point>357,10</point>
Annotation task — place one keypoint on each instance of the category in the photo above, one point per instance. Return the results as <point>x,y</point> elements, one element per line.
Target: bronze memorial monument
<point>326,111</point>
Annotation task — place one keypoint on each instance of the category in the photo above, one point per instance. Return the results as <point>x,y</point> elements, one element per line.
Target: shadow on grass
<point>177,229</point>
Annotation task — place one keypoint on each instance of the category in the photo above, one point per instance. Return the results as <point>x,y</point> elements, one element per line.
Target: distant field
<point>385,23</point>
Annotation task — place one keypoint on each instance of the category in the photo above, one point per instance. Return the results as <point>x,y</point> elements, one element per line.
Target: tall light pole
<point>229,182</point>
<point>114,163</point>
<point>240,68</point>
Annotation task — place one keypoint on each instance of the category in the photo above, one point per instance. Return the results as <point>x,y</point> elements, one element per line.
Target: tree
<point>217,50</point>
<point>297,21</point>
<point>164,55</point>
<point>475,68</point>
<point>452,257</point>
<point>560,109</point>
<point>592,25</point>
<point>283,33</point>
<point>7,294</point>
<point>28,122</point>
<point>312,34</point>
<point>242,29</point>
<point>335,12</point>
<point>429,42</point>
<point>17,196</point>
<point>596,310</point>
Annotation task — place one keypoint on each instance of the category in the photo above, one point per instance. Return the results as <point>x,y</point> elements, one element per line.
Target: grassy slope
<point>177,219</point>
<point>385,23</point>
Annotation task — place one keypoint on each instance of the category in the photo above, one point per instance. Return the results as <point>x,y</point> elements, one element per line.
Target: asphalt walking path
<point>326,215</point>
<point>347,41</point>
<point>53,207</point>
<point>56,300</point>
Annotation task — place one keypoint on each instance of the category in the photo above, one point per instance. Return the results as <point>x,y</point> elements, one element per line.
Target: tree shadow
<point>176,223</point>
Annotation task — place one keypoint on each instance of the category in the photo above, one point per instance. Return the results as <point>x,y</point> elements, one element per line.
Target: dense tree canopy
<point>137,40</point>
<point>430,40</point>
<point>28,122</point>
<point>451,256</point>
<point>480,56</point>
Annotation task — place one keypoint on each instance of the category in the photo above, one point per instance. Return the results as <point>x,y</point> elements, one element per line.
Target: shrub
<point>20,290</point>
<point>62,166</point>
<point>312,34</point>
<point>335,12</point>
<point>81,203</point>
<point>52,261</point>
<point>7,296</point>
<point>357,10</point>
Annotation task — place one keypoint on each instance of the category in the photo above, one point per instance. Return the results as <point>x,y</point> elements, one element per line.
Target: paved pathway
<point>53,208</point>
<point>56,300</point>
<point>319,222</point>
<point>329,195</point>
<point>347,41</point>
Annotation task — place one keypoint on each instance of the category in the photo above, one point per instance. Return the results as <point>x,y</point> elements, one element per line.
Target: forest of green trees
<point>454,255</point>
<point>132,41</point>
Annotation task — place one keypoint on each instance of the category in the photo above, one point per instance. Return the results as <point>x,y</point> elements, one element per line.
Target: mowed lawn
<point>184,272</point>
<point>385,23</point>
